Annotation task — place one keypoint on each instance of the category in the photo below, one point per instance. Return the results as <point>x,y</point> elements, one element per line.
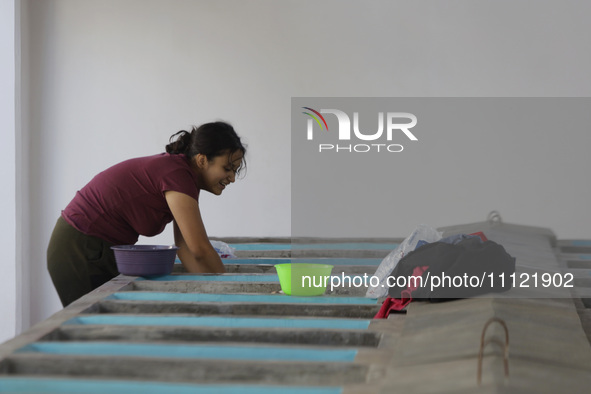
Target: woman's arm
<point>195,250</point>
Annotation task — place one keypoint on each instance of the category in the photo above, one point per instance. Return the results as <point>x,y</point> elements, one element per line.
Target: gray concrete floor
<point>433,348</point>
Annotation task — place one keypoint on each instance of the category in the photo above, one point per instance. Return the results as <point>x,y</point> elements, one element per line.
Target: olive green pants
<point>78,263</point>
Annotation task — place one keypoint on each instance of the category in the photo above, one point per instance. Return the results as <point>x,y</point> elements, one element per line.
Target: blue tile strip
<point>263,298</point>
<point>232,278</point>
<point>213,278</point>
<point>332,261</point>
<point>217,352</point>
<point>96,386</point>
<point>218,321</point>
<point>581,242</point>
<point>324,246</point>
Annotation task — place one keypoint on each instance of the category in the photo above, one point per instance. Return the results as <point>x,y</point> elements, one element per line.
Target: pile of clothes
<point>459,266</point>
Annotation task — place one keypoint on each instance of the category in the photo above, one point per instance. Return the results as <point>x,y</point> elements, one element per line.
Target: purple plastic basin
<point>145,260</point>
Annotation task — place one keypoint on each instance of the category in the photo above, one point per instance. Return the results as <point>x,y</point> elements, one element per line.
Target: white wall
<point>8,143</point>
<point>112,79</point>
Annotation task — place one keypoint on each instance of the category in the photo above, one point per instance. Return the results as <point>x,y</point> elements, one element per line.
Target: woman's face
<point>218,173</point>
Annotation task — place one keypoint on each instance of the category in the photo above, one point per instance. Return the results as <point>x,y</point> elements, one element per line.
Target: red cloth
<point>481,235</point>
<point>397,304</point>
<point>127,200</point>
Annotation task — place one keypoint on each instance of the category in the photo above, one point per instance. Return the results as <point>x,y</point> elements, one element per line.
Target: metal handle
<point>494,217</point>
<point>483,343</point>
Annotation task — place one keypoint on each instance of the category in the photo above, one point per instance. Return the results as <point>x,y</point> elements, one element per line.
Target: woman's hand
<point>195,250</point>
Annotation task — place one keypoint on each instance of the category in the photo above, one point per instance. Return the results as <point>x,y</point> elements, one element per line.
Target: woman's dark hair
<point>210,139</point>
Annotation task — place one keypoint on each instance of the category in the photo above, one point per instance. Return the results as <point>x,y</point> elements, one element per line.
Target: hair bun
<point>181,144</point>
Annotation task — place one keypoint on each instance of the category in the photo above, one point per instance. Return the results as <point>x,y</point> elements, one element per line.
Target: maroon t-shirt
<point>127,200</point>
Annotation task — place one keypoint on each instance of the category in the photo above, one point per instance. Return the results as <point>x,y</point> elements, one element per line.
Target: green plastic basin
<point>304,279</point>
